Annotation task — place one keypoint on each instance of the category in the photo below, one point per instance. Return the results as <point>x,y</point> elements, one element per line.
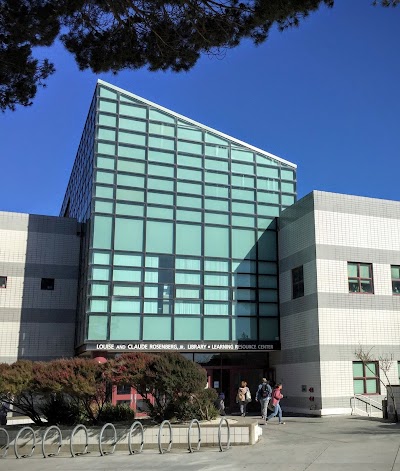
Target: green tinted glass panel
<point>219,165</point>
<point>189,147</point>
<point>216,265</point>
<point>267,245</point>
<point>130,180</point>
<point>156,115</point>
<point>106,162</point>
<point>98,305</point>
<point>161,142</point>
<point>104,192</point>
<point>160,198</point>
<point>242,168</point>
<point>247,208</point>
<point>216,191</point>
<point>162,129</point>
<point>193,188</point>
<point>243,155</point>
<point>288,200</point>
<point>243,243</point>
<point>216,280</point>
<point>125,328</point>
<point>157,328</point>
<point>352,270</point>
<point>271,198</point>
<point>216,242</point>
<point>120,290</point>
<point>244,266</point>
<point>267,268</point>
<point>187,264</point>
<point>216,329</point>
<point>242,181</point>
<point>370,369</point>
<point>244,309</point>
<point>132,124</point>
<point>216,151</point>
<point>188,307</point>
<point>123,274</point>
<point>267,282</point>
<point>358,386</point>
<point>395,270</point>
<point>104,177</point>
<point>245,294</point>
<point>264,210</point>
<point>131,152</point>
<point>188,239</point>
<point>269,329</point>
<point>270,295</point>
<point>161,170</point>
<point>216,309</point>
<point>131,138</point>
<point>193,216</point>
<point>190,160</point>
<point>103,148</point>
<point>107,120</point>
<point>266,223</point>
<point>187,328</point>
<point>187,293</point>
<point>187,278</point>
<point>371,386</point>
<point>125,305</point>
<point>358,371</point>
<point>190,134</point>
<point>98,289</point>
<point>287,187</point>
<point>160,156</point>
<point>216,205</point>
<point>102,230</point>
<point>189,201</point>
<point>101,274</point>
<point>264,160</point>
<point>267,172</point>
<point>130,195</point>
<point>268,310</point>
<point>287,174</point>
<point>106,134</point>
<point>160,213</point>
<point>97,329</point>
<point>244,329</point>
<point>159,237</point>
<point>365,271</point>
<point>130,166</point>
<point>216,218</point>
<point>213,139</point>
<point>243,221</point>
<point>103,207</point>
<point>240,194</point>
<point>127,209</point>
<point>134,111</point>
<point>190,174</point>
<point>245,280</point>
<point>128,234</point>
<point>108,106</point>
<point>124,260</point>
<point>214,177</point>
<point>216,294</point>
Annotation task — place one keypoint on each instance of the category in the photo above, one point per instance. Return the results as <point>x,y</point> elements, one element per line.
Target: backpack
<point>264,391</point>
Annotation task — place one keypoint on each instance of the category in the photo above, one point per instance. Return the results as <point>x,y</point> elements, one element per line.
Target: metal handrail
<point>370,403</point>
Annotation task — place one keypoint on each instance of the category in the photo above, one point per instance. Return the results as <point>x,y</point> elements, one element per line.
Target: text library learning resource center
<point>173,236</point>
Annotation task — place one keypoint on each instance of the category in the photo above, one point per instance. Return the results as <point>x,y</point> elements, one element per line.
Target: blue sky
<point>325,96</point>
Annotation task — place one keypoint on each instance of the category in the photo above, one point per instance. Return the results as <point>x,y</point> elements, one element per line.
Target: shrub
<point>117,413</point>
<point>58,410</point>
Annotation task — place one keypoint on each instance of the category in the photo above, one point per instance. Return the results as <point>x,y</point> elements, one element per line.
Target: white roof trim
<point>179,116</point>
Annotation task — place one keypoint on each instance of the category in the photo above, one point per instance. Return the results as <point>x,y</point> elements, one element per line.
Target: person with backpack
<point>243,396</point>
<point>276,397</point>
<point>263,396</point>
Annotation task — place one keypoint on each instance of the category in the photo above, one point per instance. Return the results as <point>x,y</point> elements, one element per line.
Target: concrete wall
<point>346,229</point>
<point>35,323</point>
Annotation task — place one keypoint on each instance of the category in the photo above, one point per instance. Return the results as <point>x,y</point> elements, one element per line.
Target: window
<point>3,282</point>
<point>365,377</point>
<point>47,284</point>
<point>395,279</point>
<point>124,389</point>
<point>297,282</point>
<point>360,278</point>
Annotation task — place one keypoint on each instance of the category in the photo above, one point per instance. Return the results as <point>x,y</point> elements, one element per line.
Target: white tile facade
<point>37,324</point>
<point>323,329</point>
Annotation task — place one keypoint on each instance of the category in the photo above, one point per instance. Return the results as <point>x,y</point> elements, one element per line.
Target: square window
<point>3,282</point>
<point>47,284</point>
<point>366,377</point>
<point>360,278</point>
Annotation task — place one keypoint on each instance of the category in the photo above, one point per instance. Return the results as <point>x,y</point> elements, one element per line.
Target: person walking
<point>243,397</point>
<point>263,396</point>
<point>276,397</point>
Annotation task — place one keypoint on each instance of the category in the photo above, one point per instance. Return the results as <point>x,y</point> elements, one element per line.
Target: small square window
<point>47,284</point>
<point>3,282</point>
<point>360,278</point>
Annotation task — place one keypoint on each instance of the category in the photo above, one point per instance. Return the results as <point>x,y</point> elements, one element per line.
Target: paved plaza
<point>303,443</point>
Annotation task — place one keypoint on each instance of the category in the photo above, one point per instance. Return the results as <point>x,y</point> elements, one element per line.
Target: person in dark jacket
<point>263,396</point>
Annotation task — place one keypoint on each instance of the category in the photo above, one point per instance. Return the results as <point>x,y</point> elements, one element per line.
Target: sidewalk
<point>304,443</point>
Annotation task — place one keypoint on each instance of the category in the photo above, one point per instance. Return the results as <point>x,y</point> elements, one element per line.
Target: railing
<point>368,405</point>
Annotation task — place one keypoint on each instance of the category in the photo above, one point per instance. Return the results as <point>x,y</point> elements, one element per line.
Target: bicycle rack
<point>7,443</point>
<point>85,452</point>
<point>194,421</point>
<point>228,443</point>
<point>133,426</point>
<point>168,449</point>
<point>102,453</point>
<point>23,429</point>
<point>53,427</point>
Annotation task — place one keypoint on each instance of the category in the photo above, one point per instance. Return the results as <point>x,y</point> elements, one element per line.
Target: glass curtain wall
<point>184,243</point>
